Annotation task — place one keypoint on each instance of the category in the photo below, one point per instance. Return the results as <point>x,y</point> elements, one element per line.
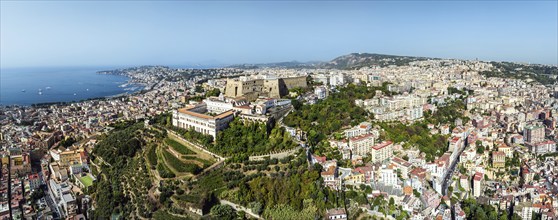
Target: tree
<point>537,177</point>
<point>213,92</point>
<point>256,207</point>
<point>67,142</point>
<point>416,193</point>
<point>504,216</point>
<point>198,88</point>
<point>536,216</point>
<point>331,114</point>
<point>493,215</point>
<point>391,205</point>
<point>249,138</point>
<point>515,216</point>
<point>286,212</point>
<point>37,194</point>
<point>223,212</point>
<point>479,214</point>
<point>480,149</point>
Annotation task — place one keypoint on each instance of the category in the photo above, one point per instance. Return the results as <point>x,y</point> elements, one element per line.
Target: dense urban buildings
<point>430,135</point>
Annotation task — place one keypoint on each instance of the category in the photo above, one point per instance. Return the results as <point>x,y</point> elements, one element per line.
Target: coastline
<point>130,86</point>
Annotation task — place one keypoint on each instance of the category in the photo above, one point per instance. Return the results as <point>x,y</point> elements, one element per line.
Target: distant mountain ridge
<point>357,60</point>
<point>289,64</point>
<point>349,61</point>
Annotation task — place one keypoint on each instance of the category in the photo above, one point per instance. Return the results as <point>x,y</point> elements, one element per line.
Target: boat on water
<point>23,90</point>
<point>40,92</point>
<point>75,94</point>
<point>47,88</point>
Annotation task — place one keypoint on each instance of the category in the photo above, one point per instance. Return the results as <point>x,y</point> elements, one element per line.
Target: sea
<point>27,86</point>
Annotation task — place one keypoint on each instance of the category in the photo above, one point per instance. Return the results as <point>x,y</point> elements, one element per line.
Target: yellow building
<point>5,160</point>
<point>355,177</point>
<point>498,159</point>
<point>508,151</point>
<point>67,157</point>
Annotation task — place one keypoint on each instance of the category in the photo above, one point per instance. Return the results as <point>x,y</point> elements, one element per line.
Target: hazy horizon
<point>174,33</point>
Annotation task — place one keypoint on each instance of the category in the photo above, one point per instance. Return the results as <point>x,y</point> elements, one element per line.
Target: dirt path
<point>241,208</point>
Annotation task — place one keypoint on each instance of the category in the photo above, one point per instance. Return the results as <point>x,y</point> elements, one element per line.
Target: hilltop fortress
<point>271,87</point>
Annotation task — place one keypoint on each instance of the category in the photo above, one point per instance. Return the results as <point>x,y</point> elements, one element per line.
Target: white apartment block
<point>360,145</point>
<point>527,212</point>
<point>410,114</point>
<point>477,184</point>
<point>337,79</point>
<point>402,107</point>
<point>321,92</point>
<point>543,147</point>
<point>388,177</point>
<point>464,182</point>
<point>401,102</point>
<point>362,128</point>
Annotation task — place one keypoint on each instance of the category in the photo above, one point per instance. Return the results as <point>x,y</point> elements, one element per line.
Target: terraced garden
<point>178,147</point>
<point>172,159</point>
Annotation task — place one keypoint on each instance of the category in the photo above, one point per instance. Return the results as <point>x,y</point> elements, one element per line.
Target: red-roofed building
<point>330,177</point>
<point>472,138</point>
<point>336,214</point>
<point>382,151</point>
<point>360,145</point>
<point>441,165</point>
<point>431,198</point>
<point>517,139</point>
<point>318,159</point>
<point>459,213</point>
<point>368,172</point>
<point>402,165</point>
<point>455,143</point>
<point>34,181</point>
<point>543,147</point>
<point>444,129</point>
<point>477,184</point>
<point>464,182</point>
<point>526,174</point>
<point>417,177</point>
<point>506,149</point>
<point>418,172</point>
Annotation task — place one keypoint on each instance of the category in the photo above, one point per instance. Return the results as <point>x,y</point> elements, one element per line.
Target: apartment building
<point>534,134</point>
<point>362,128</point>
<point>382,151</point>
<point>477,184</point>
<point>360,145</point>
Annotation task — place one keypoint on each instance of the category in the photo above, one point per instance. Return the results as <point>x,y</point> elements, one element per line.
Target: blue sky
<point>63,33</point>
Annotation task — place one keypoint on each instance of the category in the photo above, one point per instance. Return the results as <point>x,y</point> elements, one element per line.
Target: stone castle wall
<point>294,82</point>
<point>273,88</point>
